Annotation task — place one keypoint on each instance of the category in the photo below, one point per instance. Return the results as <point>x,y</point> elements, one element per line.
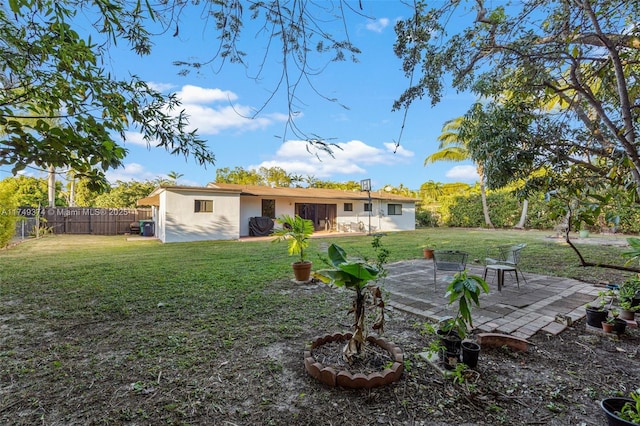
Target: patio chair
<point>503,259</point>
<point>448,260</point>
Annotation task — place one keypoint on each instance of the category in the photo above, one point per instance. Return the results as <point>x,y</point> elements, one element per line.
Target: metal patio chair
<point>502,259</point>
<point>448,260</point>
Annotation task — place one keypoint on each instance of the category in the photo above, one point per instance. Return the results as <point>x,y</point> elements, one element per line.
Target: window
<point>394,209</point>
<point>348,207</point>
<point>368,207</point>
<point>203,206</point>
<point>269,208</point>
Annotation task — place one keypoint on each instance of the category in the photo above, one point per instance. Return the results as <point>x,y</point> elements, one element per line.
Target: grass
<point>94,327</point>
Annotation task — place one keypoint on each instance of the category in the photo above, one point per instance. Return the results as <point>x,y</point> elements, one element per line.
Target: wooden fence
<point>79,220</point>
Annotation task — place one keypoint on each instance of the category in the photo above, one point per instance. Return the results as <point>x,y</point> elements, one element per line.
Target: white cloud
<point>212,111</point>
<point>378,25</point>
<point>463,173</point>
<point>399,150</point>
<point>352,157</point>
<point>199,95</point>
<point>160,87</point>
<point>135,138</point>
<point>130,171</point>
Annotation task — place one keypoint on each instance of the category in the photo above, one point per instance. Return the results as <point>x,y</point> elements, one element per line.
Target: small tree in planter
<point>297,232</point>
<point>357,275</point>
<point>361,350</point>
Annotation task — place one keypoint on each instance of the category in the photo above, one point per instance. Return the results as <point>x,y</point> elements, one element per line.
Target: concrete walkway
<point>542,303</point>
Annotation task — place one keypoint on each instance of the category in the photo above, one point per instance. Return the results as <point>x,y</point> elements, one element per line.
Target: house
<point>223,211</point>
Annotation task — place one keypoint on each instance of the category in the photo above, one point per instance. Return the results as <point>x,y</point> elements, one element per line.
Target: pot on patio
<point>595,316</point>
<point>627,314</point>
<point>427,253</point>
<point>607,327</point>
<point>619,326</point>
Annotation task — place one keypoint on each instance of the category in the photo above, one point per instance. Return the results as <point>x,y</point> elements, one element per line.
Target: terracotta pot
<point>302,271</point>
<point>331,377</point>
<point>627,315</point>
<point>607,327</point>
<point>428,253</point>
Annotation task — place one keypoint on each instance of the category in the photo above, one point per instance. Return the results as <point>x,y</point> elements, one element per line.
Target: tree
<point>30,191</point>
<point>8,213</point>
<point>124,194</point>
<point>453,147</point>
<point>174,176</point>
<point>581,55</point>
<point>54,76</point>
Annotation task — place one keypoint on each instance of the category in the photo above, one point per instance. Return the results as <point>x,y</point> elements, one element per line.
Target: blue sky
<point>366,131</point>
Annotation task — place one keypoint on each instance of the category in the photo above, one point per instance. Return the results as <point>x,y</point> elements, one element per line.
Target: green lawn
<point>101,330</point>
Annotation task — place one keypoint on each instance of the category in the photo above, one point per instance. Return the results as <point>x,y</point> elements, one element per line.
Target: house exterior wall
<point>179,222</point>
<point>380,220</point>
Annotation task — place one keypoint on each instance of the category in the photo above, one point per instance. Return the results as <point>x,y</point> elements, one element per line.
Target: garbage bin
<point>148,228</point>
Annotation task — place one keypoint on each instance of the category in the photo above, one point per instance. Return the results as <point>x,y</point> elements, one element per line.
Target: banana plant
<point>359,276</point>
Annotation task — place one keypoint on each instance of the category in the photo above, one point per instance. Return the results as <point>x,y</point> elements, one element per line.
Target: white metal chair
<point>504,258</point>
<point>448,260</point>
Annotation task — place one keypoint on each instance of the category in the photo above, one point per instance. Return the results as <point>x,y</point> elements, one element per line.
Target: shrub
<point>8,216</point>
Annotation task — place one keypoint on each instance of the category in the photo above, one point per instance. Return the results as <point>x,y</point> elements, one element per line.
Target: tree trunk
<point>523,215</point>
<point>72,192</point>
<point>51,186</point>
<point>485,207</point>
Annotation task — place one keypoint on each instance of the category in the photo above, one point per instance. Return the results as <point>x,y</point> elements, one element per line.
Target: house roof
<point>153,199</point>
<point>319,193</point>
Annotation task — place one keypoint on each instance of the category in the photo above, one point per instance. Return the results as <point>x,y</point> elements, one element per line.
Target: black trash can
<point>148,228</point>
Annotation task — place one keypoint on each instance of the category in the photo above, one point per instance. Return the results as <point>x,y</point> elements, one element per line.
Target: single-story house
<point>223,211</point>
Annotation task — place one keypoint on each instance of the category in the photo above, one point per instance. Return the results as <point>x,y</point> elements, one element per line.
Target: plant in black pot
<point>297,232</point>
<point>621,411</point>
<point>597,312</point>
<point>464,290</point>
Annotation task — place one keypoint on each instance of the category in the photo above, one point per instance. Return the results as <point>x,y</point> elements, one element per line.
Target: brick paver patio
<point>520,312</point>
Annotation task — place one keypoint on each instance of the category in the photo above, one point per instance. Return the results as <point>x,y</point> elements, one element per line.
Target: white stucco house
<point>222,211</point>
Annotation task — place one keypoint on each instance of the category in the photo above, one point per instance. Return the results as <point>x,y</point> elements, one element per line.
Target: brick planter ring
<point>331,377</point>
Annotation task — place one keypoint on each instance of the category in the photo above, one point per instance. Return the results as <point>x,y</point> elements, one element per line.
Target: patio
<point>520,312</point>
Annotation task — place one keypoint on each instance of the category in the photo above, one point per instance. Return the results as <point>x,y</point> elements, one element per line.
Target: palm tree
<point>174,176</point>
<point>453,148</point>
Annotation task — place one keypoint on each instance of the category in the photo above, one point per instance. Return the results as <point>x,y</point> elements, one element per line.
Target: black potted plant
<point>297,232</point>
<point>464,290</point>
<point>597,312</point>
<point>622,411</point>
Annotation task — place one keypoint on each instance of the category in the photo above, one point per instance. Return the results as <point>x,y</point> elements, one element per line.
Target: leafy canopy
<point>77,111</point>
<point>565,73</point>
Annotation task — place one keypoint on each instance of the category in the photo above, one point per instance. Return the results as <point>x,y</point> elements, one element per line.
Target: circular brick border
<point>331,377</point>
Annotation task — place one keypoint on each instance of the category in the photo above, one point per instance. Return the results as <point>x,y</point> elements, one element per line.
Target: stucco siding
<point>181,222</point>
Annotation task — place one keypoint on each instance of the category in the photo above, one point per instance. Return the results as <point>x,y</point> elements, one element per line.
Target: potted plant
<point>621,411</point>
<point>427,249</point>
<point>597,312</point>
<point>297,232</point>
<point>463,290</point>
<point>607,325</point>
<point>360,276</point>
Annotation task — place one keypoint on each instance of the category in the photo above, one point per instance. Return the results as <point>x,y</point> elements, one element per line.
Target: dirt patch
<point>174,368</point>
